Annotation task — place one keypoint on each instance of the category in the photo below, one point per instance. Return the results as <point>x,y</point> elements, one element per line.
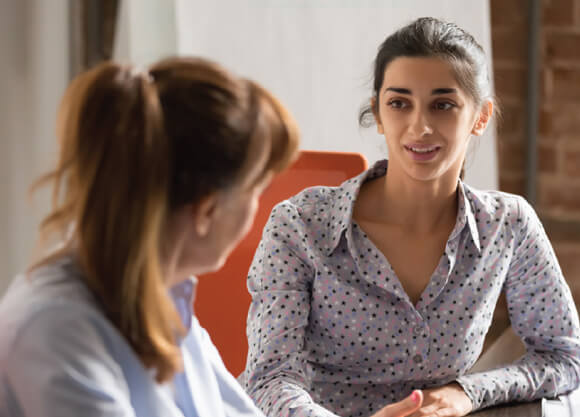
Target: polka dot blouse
<point>332,332</point>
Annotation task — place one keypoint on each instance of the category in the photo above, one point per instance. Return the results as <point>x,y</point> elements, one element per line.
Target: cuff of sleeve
<point>472,392</point>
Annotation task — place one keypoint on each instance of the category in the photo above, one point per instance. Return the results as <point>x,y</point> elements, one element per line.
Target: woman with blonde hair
<point>159,177</point>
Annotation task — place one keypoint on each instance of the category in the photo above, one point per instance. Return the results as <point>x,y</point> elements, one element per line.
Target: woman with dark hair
<point>388,283</point>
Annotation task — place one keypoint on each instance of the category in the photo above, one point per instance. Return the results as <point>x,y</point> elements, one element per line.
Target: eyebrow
<point>436,91</point>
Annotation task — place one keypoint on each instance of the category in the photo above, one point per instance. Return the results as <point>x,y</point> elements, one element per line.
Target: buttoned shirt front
<point>332,331</point>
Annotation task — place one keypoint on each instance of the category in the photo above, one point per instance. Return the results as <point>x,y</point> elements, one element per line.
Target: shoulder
<point>65,330</point>
<point>315,218</point>
<point>312,198</point>
<point>314,202</point>
<point>50,312</point>
<point>61,361</point>
<point>53,348</point>
<point>499,207</point>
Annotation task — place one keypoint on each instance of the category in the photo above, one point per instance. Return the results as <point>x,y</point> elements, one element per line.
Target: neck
<point>172,249</point>
<point>417,206</point>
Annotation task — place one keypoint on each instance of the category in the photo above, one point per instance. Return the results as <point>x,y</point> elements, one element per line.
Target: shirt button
<point>417,358</point>
<point>418,330</point>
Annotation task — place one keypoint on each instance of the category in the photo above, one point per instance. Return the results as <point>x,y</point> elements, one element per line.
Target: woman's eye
<point>444,105</point>
<point>397,104</point>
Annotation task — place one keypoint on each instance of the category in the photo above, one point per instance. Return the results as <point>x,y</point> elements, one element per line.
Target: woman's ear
<point>204,213</point>
<point>375,110</point>
<point>483,119</point>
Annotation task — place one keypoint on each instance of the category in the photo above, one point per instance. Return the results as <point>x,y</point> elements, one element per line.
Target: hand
<point>402,408</point>
<point>447,401</point>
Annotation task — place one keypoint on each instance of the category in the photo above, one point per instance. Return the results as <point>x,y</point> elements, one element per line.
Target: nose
<point>419,125</point>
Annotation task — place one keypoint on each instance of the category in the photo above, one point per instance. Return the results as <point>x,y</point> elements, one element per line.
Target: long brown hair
<point>135,146</point>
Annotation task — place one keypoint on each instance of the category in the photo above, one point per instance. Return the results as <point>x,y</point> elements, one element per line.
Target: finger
<point>405,407</point>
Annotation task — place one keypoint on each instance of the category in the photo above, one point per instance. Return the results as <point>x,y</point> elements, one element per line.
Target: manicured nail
<point>415,396</point>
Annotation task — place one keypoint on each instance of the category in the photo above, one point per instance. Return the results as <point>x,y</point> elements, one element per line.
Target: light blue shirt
<point>61,357</point>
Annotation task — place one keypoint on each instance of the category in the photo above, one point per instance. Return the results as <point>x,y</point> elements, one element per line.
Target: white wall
<point>33,75</point>
<point>146,31</point>
<point>316,55</point>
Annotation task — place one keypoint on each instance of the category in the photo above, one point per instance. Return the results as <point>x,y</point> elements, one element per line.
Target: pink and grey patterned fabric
<point>332,332</point>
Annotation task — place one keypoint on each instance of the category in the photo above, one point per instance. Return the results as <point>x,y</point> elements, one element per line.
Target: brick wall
<point>558,186</point>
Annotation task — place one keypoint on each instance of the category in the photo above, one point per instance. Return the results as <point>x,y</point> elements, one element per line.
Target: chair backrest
<point>222,299</point>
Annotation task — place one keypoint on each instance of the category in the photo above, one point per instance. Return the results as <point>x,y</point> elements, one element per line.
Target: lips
<point>422,152</point>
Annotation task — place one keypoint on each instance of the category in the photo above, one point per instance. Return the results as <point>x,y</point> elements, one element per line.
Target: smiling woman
<point>388,283</point>
<point>427,117</point>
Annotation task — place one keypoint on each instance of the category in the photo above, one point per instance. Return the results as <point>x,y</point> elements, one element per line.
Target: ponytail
<point>114,173</point>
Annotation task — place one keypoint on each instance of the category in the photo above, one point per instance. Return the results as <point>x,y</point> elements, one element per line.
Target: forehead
<point>419,73</point>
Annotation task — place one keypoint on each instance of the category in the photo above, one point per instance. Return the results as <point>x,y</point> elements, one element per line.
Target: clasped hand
<point>447,401</point>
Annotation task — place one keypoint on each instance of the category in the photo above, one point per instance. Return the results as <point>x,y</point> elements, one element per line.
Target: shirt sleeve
<point>543,314</point>
<point>59,367</point>
<point>279,282</point>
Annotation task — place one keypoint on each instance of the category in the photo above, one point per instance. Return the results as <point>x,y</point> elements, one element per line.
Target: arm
<point>543,314</point>
<point>59,367</point>
<point>279,281</point>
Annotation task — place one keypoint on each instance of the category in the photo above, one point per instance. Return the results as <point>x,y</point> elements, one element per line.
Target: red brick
<point>511,82</point>
<point>512,156</point>
<point>569,259</point>
<point>512,184</point>
<point>510,45</point>
<point>563,231</point>
<point>508,13</point>
<point>566,84</point>
<point>562,46</point>
<point>512,119</point>
<point>546,84</point>
<point>558,12</point>
<point>571,160</point>
<point>564,120</point>
<point>560,196</point>
<point>547,158</point>
<point>545,125</point>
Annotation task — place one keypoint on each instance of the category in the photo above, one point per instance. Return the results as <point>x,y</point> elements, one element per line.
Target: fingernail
<point>415,396</point>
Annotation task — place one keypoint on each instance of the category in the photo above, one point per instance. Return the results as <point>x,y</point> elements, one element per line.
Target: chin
<point>218,264</point>
<point>208,265</point>
<point>423,176</point>
<point>427,173</point>
<point>199,268</point>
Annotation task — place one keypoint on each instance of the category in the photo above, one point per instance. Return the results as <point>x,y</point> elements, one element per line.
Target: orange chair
<point>222,299</point>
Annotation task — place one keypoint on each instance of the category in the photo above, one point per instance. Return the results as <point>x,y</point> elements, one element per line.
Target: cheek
<point>386,118</point>
<point>395,122</point>
<point>455,125</point>
<point>247,215</point>
<point>252,211</point>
